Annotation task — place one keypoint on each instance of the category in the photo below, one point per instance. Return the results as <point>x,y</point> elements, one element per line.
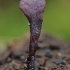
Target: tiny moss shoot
<point>33,10</point>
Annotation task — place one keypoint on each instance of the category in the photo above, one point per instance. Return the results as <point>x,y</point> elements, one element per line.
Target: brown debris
<point>52,54</point>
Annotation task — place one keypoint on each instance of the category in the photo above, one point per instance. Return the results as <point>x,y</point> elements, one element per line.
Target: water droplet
<point>28,24</point>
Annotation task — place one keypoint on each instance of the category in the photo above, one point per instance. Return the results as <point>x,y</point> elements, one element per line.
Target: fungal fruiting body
<point>33,10</point>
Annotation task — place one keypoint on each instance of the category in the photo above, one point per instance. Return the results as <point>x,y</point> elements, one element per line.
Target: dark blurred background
<point>13,24</point>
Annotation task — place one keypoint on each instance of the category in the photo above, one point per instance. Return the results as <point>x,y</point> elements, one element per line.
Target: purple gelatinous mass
<point>32,8</point>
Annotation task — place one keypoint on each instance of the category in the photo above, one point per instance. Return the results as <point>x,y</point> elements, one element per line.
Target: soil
<point>52,54</point>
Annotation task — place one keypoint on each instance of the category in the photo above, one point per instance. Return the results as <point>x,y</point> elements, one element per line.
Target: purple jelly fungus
<point>33,10</point>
